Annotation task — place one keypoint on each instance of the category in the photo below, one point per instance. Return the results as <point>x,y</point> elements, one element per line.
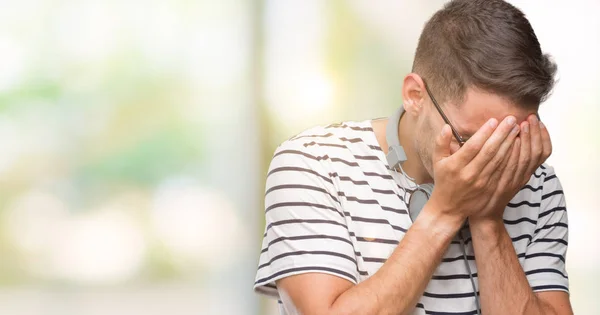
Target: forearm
<point>396,287</point>
<point>503,287</point>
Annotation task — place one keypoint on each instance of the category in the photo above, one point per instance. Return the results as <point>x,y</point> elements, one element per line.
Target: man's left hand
<point>530,150</point>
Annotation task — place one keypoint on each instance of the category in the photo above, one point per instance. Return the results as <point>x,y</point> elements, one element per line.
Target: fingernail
<point>526,128</point>
<point>511,120</point>
<point>515,129</point>
<point>534,120</point>
<point>542,126</point>
<point>444,130</point>
<point>493,122</point>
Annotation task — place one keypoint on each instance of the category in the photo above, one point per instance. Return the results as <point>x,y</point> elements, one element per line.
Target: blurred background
<point>135,137</point>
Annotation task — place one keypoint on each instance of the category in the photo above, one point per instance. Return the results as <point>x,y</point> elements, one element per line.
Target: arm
<point>503,285</point>
<point>394,289</point>
<point>398,284</point>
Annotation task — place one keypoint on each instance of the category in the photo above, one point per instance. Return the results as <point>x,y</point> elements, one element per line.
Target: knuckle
<point>504,167</point>
<point>479,184</point>
<point>489,152</point>
<point>467,177</point>
<point>463,178</point>
<point>471,149</point>
<point>452,168</point>
<point>523,158</point>
<point>496,162</point>
<point>455,170</point>
<point>511,158</point>
<point>536,151</point>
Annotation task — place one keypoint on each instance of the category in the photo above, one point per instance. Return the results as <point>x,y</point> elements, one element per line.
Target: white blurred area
<point>188,242</point>
<point>191,221</point>
<point>107,245</point>
<point>86,225</point>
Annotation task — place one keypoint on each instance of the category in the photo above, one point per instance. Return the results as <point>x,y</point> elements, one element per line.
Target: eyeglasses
<point>461,140</point>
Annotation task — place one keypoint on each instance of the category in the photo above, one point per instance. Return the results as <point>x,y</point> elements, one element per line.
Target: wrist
<point>486,223</point>
<point>439,221</point>
<point>490,216</point>
<point>487,229</point>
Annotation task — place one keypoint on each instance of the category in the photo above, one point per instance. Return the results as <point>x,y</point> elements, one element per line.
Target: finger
<point>524,156</point>
<point>510,168</point>
<point>546,143</point>
<point>536,144</point>
<point>454,146</point>
<point>442,144</point>
<point>491,147</point>
<point>497,173</point>
<point>509,165</point>
<point>513,157</point>
<point>502,155</point>
<point>470,149</point>
<point>496,179</point>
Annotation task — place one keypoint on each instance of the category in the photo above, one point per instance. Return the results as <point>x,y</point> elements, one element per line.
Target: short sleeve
<point>305,226</point>
<point>546,254</point>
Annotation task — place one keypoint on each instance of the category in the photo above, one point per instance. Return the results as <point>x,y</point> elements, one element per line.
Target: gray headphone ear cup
<point>418,199</point>
<point>427,188</point>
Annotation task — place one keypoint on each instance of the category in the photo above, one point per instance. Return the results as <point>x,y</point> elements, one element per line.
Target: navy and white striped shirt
<point>333,206</point>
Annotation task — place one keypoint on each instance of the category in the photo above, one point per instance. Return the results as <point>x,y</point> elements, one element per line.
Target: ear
<point>413,90</point>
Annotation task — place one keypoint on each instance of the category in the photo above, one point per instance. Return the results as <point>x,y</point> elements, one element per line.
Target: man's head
<point>480,59</point>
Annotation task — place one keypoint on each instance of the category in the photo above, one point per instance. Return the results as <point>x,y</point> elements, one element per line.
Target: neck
<point>413,166</point>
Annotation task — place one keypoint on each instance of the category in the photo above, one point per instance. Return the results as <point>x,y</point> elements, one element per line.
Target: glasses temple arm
<point>446,120</point>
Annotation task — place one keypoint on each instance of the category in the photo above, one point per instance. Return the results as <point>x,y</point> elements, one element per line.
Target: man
<point>491,238</point>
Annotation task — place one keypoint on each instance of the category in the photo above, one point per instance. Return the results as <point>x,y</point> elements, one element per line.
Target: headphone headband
<point>396,154</point>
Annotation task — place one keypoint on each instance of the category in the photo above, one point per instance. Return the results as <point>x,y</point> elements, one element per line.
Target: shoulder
<point>543,194</point>
<point>323,142</point>
<point>545,180</point>
<point>543,186</point>
<point>334,132</point>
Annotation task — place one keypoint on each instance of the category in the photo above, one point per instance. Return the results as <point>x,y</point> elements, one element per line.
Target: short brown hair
<point>488,44</point>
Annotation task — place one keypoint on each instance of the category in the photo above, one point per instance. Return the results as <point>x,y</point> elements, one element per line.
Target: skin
<point>507,144</point>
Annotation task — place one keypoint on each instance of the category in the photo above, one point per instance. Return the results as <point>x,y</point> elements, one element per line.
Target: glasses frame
<point>461,140</point>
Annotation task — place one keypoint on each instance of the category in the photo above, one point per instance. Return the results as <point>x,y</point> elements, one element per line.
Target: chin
<point>429,169</point>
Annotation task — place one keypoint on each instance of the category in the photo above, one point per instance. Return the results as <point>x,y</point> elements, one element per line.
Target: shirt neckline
<point>399,177</point>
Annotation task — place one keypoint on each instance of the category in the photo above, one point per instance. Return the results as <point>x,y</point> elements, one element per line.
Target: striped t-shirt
<point>332,205</point>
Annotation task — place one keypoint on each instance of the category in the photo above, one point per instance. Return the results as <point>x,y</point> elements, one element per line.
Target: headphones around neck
<point>395,157</point>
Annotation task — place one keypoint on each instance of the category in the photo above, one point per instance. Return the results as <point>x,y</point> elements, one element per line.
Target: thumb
<point>442,144</point>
